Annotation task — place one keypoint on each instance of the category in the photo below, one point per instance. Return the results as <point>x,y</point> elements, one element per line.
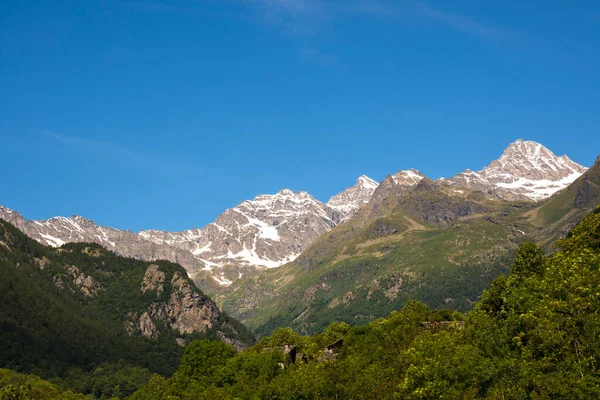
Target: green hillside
<point>65,313</point>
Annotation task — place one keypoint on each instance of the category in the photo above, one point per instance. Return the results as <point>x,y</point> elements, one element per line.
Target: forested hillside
<point>94,320</point>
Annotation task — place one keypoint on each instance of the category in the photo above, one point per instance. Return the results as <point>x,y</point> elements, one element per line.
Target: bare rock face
<point>141,326</point>
<point>84,282</point>
<point>183,308</point>
<point>154,280</point>
<point>186,310</point>
<point>525,171</point>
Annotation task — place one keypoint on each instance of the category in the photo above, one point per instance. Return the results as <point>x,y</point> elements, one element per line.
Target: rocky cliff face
<point>186,310</point>
<point>525,171</point>
<point>180,306</point>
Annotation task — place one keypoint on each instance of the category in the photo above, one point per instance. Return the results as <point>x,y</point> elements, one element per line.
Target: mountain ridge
<point>271,230</point>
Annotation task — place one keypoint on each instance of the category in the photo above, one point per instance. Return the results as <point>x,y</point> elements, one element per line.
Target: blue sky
<point>161,114</point>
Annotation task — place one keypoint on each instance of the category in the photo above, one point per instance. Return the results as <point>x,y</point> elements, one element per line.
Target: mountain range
<point>278,245</point>
<point>265,232</point>
<point>271,230</point>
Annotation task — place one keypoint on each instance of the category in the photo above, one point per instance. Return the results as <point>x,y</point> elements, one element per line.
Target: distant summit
<point>525,171</point>
<point>349,201</point>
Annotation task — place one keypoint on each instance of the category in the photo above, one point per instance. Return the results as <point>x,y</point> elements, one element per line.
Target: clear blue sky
<point>162,113</point>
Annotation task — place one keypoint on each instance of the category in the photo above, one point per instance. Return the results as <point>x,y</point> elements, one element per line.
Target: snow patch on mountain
<point>52,241</point>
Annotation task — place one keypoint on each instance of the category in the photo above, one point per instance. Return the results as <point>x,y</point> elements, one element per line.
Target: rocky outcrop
<point>84,282</point>
<point>186,310</point>
<point>142,325</point>
<point>237,344</point>
<point>339,301</point>
<point>154,280</point>
<point>183,308</point>
<point>310,294</point>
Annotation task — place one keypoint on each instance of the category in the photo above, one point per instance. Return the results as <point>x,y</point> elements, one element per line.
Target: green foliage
<point>203,357</point>
<point>17,386</point>
<point>333,332</point>
<point>529,260</point>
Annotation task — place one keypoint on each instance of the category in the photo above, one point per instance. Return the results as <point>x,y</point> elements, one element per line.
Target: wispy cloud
<point>112,152</point>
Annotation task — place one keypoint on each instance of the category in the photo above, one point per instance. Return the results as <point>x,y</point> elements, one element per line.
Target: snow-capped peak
<point>351,199</point>
<point>367,182</point>
<point>408,177</point>
<point>526,169</point>
<point>6,210</point>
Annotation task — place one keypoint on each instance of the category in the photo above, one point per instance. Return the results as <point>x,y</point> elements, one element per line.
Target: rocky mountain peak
<point>526,170</point>
<point>351,199</point>
<point>366,182</point>
<point>407,177</point>
<point>531,160</point>
<point>6,210</point>
<point>265,232</point>
<point>284,199</point>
